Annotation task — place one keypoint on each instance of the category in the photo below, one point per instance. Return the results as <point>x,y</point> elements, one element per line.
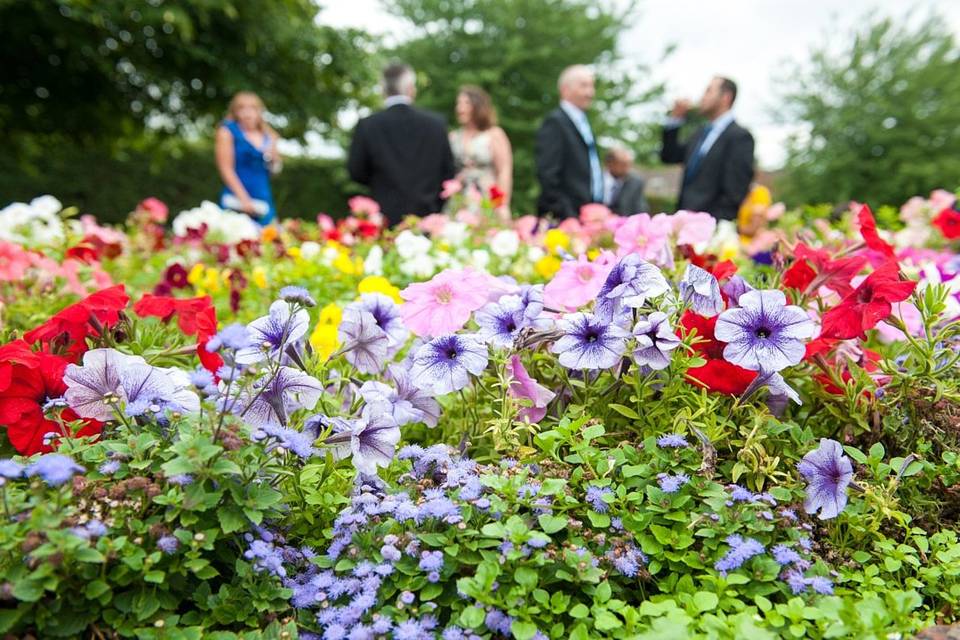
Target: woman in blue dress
<point>246,154</point>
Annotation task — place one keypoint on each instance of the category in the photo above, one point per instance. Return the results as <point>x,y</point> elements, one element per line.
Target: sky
<point>750,41</point>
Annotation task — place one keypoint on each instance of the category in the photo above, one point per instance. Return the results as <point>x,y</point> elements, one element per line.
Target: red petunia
<point>27,381</point>
<point>73,325</point>
<point>717,374</point>
<point>195,317</point>
<point>948,221</point>
<point>832,274</point>
<point>868,304</point>
<point>799,276</point>
<point>868,229</point>
<point>497,195</point>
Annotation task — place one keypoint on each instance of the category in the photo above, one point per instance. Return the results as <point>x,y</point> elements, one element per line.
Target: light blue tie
<point>596,173</point>
<point>694,164</point>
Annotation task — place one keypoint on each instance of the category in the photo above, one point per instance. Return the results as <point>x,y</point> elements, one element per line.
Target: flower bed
<point>465,427</point>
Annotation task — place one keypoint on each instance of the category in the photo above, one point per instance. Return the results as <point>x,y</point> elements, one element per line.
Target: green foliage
<point>96,71</point>
<point>881,112</point>
<point>182,176</point>
<point>516,49</point>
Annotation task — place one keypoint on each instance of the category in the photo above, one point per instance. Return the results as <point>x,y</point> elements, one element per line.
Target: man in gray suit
<point>623,187</point>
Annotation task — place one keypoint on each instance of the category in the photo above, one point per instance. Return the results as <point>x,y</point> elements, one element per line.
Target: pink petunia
<point>444,303</point>
<point>14,262</point>
<point>911,318</point>
<point>578,281</point>
<point>433,223</point>
<point>523,386</point>
<point>451,188</point>
<point>693,227</point>
<point>644,235</point>
<point>362,205</point>
<point>156,208</point>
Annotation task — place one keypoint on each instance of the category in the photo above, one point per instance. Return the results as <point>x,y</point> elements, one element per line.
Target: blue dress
<point>252,169</point>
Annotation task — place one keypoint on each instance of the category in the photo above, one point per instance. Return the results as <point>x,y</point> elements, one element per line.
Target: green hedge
<point>109,185</point>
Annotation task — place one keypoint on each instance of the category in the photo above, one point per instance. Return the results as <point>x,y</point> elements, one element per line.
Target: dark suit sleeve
<point>358,161</point>
<point>448,166</point>
<point>549,156</point>
<point>738,173</point>
<point>672,150</point>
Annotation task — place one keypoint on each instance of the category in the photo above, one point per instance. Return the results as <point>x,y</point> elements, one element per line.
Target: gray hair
<point>572,72</point>
<point>398,79</point>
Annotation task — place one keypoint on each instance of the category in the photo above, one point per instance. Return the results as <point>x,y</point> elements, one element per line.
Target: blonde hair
<point>235,103</point>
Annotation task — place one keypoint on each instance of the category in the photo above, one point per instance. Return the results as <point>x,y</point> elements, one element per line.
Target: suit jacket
<point>402,153</point>
<point>722,180</point>
<point>630,198</point>
<point>563,166</point>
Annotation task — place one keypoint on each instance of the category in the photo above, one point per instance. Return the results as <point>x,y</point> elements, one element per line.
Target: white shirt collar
<point>722,122</point>
<point>394,100</point>
<point>576,113</point>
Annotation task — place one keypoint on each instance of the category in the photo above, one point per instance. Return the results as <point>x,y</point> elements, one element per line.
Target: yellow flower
<point>324,340</point>
<point>331,314</point>
<point>556,240</point>
<point>758,200</point>
<point>547,266</point>
<point>344,264</point>
<point>379,284</point>
<point>293,252</point>
<point>211,280</point>
<point>196,274</point>
<point>259,277</point>
<point>593,254</point>
<point>728,252</point>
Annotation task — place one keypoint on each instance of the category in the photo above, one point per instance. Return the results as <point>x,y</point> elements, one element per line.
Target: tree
<point>881,115</point>
<point>94,71</point>
<point>515,49</point>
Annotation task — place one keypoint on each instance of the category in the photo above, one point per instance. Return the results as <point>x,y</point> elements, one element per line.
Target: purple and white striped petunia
<point>271,402</point>
<point>370,443</point>
<point>589,342</point>
<point>445,364</point>
<point>406,403</point>
<point>273,332</point>
<point>500,322</point>
<point>655,340</point>
<point>764,331</point>
<point>365,344</point>
<point>387,314</point>
<point>631,282</point>
<point>700,289</point>
<point>829,472</point>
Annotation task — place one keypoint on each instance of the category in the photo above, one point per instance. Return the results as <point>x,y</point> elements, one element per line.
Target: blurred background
<point>105,102</point>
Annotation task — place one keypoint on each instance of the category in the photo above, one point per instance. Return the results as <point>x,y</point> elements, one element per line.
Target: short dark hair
<point>397,78</point>
<point>728,86</point>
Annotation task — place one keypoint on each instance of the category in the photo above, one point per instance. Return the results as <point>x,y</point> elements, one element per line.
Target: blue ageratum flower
<point>446,363</point>
<point>285,325</point>
<point>672,441</point>
<point>630,283</point>
<point>589,342</point>
<point>297,295</point>
<point>386,313</point>
<point>764,332</point>
<point>740,551</point>
<point>655,341</point>
<point>700,290</point>
<point>828,472</point>
<point>364,342</point>
<point>54,469</point>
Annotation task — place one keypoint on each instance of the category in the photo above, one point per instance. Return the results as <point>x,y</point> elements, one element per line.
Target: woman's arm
<point>502,162</point>
<point>223,152</point>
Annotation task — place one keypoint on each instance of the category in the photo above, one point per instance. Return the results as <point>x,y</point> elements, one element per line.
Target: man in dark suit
<point>402,153</point>
<point>717,158</point>
<point>568,164</point>
<point>623,187</point>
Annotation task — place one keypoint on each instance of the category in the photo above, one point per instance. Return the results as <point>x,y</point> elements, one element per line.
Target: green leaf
<point>523,630</point>
<point>603,592</point>
<point>526,577</point>
<point>231,519</point>
<point>28,590</point>
<point>705,601</point>
<point>877,451</point>
<point>605,621</point>
<point>662,534</point>
<point>154,576</point>
<point>431,591</point>
<point>625,411</point>
<point>579,611</point>
<point>593,431</point>
<point>551,523</point>
<point>96,589</point>
<point>856,454</point>
<point>472,617</point>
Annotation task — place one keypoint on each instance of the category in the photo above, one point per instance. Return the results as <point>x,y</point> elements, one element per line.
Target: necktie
<point>615,191</point>
<point>596,173</point>
<point>694,163</point>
